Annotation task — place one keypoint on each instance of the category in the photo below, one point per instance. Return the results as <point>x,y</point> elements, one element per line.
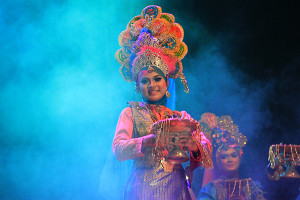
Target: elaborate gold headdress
<point>224,133</point>
<point>152,39</point>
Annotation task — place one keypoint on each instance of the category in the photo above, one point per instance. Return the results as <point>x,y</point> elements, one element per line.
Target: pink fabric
<point>124,146</point>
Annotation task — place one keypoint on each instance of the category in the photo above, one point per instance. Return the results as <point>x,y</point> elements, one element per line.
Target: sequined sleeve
<point>124,146</point>
<point>204,158</point>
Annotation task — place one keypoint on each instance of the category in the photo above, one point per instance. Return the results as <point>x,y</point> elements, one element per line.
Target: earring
<point>168,94</point>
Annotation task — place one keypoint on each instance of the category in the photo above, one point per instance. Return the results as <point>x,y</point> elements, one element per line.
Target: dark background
<point>260,42</point>
<point>259,39</point>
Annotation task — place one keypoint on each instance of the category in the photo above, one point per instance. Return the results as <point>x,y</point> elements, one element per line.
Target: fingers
<point>177,134</point>
<point>148,140</point>
<point>184,141</point>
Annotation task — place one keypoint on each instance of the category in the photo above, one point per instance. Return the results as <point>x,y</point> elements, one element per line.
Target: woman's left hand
<point>191,145</point>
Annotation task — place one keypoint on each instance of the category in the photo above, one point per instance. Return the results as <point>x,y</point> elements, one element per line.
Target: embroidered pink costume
<point>153,39</point>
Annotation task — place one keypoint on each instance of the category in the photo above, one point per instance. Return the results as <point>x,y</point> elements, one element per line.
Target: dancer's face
<point>152,85</point>
<point>228,160</point>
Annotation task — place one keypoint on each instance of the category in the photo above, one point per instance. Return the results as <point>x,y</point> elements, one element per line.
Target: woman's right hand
<point>149,140</point>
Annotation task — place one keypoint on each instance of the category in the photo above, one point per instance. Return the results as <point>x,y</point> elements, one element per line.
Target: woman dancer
<point>227,154</point>
<point>151,54</point>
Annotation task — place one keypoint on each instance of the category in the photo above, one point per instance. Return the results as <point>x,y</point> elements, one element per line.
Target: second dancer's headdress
<point>224,133</point>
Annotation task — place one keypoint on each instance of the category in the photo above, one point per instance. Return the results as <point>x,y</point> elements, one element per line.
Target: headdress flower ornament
<point>152,39</point>
<point>226,134</point>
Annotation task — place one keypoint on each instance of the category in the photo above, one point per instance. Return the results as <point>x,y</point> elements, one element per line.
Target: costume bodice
<point>144,115</point>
